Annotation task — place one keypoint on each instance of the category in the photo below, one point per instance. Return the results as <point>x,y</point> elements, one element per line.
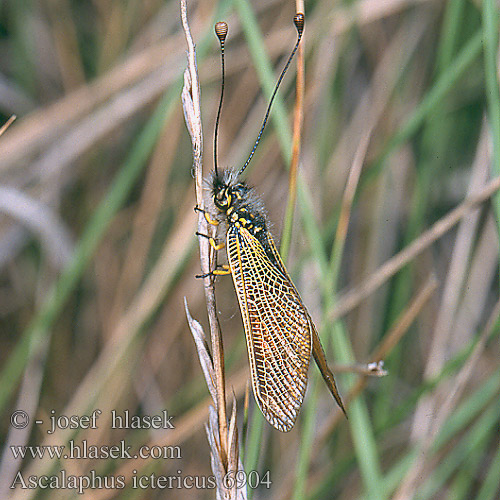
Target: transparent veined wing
<point>277,326</point>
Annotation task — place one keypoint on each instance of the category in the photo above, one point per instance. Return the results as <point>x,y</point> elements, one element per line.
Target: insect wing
<point>317,348</point>
<point>278,328</point>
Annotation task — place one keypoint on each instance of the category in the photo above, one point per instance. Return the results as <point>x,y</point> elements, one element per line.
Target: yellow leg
<point>213,222</point>
<point>216,246</point>
<point>222,272</point>
<point>213,244</point>
<point>216,272</point>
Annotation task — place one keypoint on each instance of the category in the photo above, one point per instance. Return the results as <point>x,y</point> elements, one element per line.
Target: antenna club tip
<point>298,20</point>
<point>221,31</point>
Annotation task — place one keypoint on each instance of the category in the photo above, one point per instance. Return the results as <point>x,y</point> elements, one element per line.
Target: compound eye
<point>219,196</point>
<point>239,190</point>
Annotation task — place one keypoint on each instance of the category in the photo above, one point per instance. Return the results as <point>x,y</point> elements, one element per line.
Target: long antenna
<point>298,20</point>
<point>221,32</point>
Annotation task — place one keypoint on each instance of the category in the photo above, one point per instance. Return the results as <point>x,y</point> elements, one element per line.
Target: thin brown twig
<point>458,267</point>
<point>464,375</point>
<point>409,483</point>
<point>350,189</point>
<point>187,426</point>
<point>372,369</point>
<point>346,204</point>
<point>390,340</point>
<point>443,331</point>
<point>375,99</point>
<point>7,124</point>
<point>222,437</point>
<point>356,295</point>
<point>113,353</point>
<point>192,112</point>
<point>384,348</point>
<point>298,121</point>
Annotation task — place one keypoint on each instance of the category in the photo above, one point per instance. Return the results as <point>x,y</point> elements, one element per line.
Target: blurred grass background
<point>97,244</point>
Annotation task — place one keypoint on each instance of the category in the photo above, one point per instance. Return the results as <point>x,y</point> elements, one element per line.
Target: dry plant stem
<point>190,423</point>
<point>298,120</point>
<point>146,300</point>
<point>375,99</point>
<point>390,340</point>
<point>443,332</point>
<point>144,223</point>
<point>355,296</point>
<point>374,369</point>
<point>410,482</point>
<point>477,290</point>
<point>404,322</point>
<point>7,124</point>
<point>465,374</point>
<point>192,113</point>
<point>351,186</point>
<point>346,204</point>
<point>457,270</point>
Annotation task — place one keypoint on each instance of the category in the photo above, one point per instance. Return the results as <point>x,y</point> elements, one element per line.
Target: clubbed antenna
<point>221,32</point>
<point>298,20</point>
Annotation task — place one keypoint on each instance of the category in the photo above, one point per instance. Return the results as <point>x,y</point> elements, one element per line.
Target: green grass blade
<point>84,251</point>
<point>490,488</point>
<point>307,440</point>
<point>444,84</point>
<point>490,36</point>
<point>476,438</point>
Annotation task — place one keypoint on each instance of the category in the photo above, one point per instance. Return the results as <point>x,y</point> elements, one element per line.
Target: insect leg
<point>216,246</point>
<point>320,358</point>
<point>216,272</point>
<point>213,222</point>
<point>213,244</point>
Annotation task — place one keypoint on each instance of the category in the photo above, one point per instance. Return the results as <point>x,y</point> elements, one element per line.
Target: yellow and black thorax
<point>240,207</point>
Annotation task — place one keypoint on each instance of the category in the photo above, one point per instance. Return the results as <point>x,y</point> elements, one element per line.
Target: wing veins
<point>277,327</point>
